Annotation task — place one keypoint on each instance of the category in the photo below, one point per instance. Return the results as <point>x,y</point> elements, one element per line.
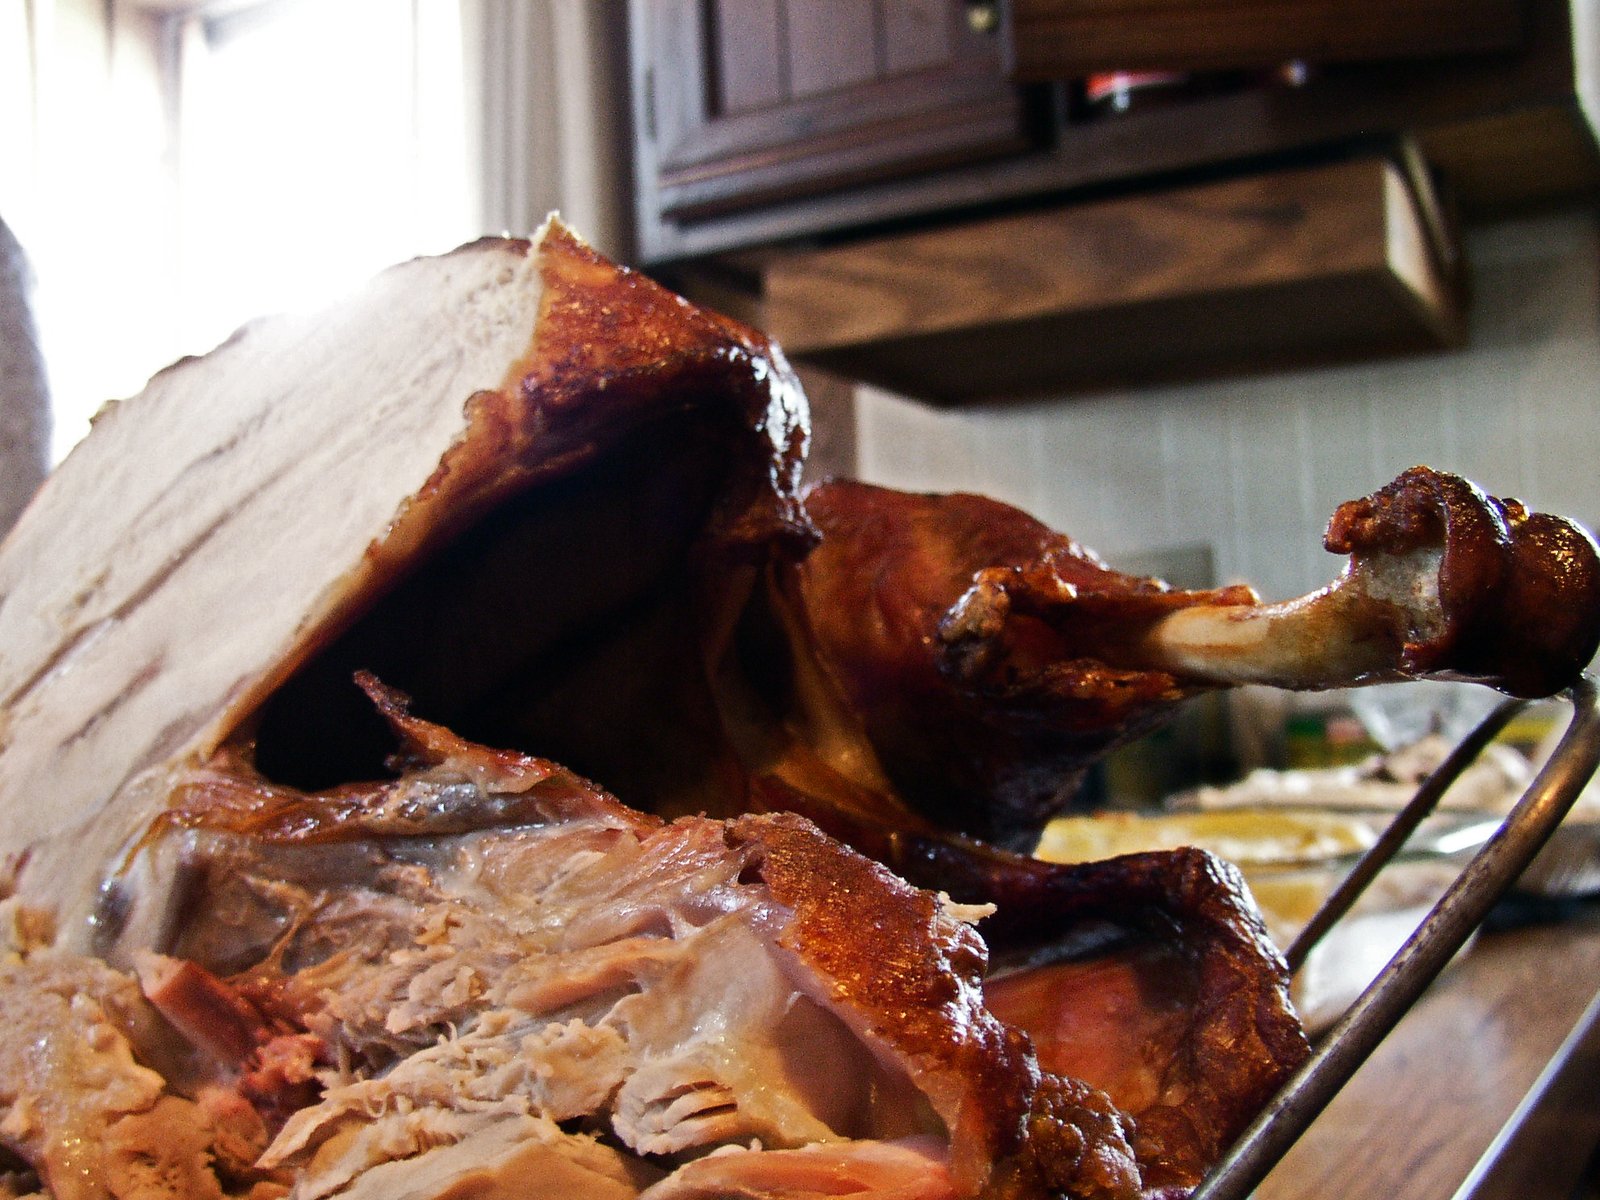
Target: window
<point>175,167</point>
<point>84,185</point>
<point>317,142</point>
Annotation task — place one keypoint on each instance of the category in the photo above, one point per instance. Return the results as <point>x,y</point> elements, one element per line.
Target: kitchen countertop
<point>1480,1086</point>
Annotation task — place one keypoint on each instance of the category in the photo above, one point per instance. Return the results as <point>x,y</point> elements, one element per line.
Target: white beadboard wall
<point>1252,468</point>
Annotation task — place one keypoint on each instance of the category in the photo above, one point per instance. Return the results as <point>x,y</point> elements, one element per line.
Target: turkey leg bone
<point>1443,582</point>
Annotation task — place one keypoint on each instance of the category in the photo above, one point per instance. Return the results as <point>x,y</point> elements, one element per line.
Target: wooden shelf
<point>1243,275</point>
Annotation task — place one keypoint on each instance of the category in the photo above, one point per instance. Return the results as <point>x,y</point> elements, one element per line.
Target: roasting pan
<point>1442,933</point>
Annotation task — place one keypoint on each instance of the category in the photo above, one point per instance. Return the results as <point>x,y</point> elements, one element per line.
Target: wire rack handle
<point>1492,870</point>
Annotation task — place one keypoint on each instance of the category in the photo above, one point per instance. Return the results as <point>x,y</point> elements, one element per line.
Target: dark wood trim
<point>1065,39</point>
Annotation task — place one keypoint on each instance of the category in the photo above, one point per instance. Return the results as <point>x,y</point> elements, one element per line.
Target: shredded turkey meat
<point>580,1000</point>
<point>91,1119</point>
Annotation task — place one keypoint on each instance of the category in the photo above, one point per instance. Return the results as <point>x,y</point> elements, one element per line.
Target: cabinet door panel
<point>916,34</point>
<point>832,44</point>
<point>749,55</point>
<point>1065,39</point>
<point>746,102</point>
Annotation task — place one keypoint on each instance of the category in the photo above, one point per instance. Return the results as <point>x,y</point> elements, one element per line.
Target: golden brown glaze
<point>614,351</point>
<point>1149,977</point>
<point>1185,1021</point>
<point>614,344</point>
<point>940,621</point>
<point>972,662</point>
<point>914,975</point>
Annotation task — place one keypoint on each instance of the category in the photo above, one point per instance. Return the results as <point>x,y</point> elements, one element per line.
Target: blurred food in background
<point>1320,777</point>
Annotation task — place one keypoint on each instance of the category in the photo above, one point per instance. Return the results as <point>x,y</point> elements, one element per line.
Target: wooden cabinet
<point>742,103</point>
<point>759,122</point>
<point>826,166</point>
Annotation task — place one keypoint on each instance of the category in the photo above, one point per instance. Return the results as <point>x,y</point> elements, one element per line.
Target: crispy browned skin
<point>1518,590</point>
<point>567,557</point>
<point>1188,1029</point>
<point>615,352</point>
<point>1148,976</point>
<point>1016,1131</point>
<point>987,660</point>
<point>985,729</point>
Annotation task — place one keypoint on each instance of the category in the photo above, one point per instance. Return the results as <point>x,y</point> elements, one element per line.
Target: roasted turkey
<point>299,901</point>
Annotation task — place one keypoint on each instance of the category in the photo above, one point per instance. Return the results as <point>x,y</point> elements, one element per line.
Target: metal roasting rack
<point>1463,907</point>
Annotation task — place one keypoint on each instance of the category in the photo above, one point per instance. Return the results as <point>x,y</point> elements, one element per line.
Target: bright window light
<point>319,142</point>
<point>177,169</point>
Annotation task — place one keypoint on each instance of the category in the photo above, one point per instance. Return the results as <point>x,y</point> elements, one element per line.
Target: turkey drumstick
<point>1442,581</point>
<point>987,660</point>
